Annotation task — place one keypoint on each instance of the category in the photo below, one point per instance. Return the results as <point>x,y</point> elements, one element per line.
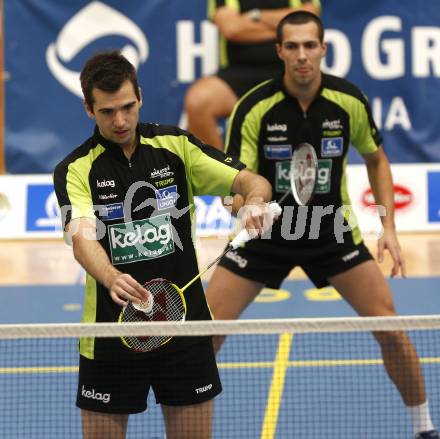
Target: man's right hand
<point>124,288</point>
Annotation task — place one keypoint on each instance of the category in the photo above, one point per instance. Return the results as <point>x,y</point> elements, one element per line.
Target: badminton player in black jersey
<point>126,196</point>
<point>330,113</point>
<point>247,57</point>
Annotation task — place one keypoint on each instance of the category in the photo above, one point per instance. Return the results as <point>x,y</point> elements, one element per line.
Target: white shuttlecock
<point>145,306</point>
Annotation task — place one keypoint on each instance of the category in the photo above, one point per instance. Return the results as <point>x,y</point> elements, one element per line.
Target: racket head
<point>303,173</point>
<point>168,305</point>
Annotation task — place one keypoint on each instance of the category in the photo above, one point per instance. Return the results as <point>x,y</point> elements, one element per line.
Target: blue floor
<point>354,399</point>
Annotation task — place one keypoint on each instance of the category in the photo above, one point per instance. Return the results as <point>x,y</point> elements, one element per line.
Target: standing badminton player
<point>126,196</point>
<point>268,124</point>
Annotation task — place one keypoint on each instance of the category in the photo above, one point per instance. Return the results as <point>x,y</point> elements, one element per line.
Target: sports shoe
<point>433,434</point>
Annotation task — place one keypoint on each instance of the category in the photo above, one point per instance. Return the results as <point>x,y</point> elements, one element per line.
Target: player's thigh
<point>97,425</point>
<point>228,294</point>
<point>188,375</point>
<point>113,387</point>
<point>210,94</point>
<point>364,287</point>
<point>188,422</point>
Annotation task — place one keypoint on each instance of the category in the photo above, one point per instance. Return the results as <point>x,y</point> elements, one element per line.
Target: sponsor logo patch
<point>105,183</point>
<point>163,183</point>
<point>277,152</point>
<point>350,256</point>
<point>166,197</point>
<point>204,388</point>
<point>92,394</point>
<point>141,240</point>
<point>282,176</point>
<point>332,146</point>
<point>332,124</point>
<point>112,211</point>
<point>276,127</point>
<point>162,173</point>
<point>234,256</point>
<point>323,183</point>
<point>107,197</point>
<point>276,138</point>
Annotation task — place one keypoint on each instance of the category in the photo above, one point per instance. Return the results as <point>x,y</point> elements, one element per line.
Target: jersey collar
<point>113,148</point>
<point>288,96</point>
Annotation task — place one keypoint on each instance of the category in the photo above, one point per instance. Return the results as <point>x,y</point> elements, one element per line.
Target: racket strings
<point>304,172</point>
<point>167,306</point>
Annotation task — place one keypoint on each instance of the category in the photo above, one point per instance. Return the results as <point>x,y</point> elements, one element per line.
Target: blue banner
<point>388,48</point>
<point>391,50</point>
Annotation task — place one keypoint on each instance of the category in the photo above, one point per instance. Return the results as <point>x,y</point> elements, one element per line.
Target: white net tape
<point>225,327</point>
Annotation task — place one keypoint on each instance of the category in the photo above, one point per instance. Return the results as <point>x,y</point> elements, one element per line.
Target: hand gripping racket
<point>303,174</point>
<point>166,302</point>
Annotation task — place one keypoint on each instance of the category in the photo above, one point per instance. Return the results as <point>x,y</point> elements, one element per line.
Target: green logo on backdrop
<point>323,184</point>
<point>141,240</point>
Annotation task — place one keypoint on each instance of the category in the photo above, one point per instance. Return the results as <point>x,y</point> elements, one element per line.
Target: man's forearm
<point>381,182</point>
<point>272,17</point>
<point>93,258</point>
<point>252,187</point>
<point>239,28</point>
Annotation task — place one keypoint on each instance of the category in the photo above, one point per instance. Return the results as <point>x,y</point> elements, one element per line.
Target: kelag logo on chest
<point>323,182</point>
<point>141,240</point>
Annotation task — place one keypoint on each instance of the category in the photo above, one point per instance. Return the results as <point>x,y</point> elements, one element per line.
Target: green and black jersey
<point>267,124</point>
<point>145,210</point>
<point>251,54</point>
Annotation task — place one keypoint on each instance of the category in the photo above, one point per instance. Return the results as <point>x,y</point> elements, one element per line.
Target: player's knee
<point>383,307</point>
<point>217,342</point>
<point>392,340</point>
<point>198,100</point>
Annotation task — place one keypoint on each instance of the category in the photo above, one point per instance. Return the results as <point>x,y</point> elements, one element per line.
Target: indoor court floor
<point>41,283</point>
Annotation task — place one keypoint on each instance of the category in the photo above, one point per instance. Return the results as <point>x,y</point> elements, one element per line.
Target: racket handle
<point>243,236</point>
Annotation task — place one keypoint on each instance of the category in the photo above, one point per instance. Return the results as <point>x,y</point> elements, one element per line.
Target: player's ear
<point>140,97</point>
<point>89,110</point>
<point>278,48</point>
<point>324,49</point>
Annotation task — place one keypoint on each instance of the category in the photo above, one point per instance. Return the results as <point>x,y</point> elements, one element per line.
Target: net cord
<point>224,327</point>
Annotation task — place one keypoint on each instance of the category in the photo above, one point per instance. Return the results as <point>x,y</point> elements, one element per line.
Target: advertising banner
<point>389,48</point>
<point>29,208</point>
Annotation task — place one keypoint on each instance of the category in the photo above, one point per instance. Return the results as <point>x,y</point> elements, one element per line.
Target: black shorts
<point>186,377</point>
<point>268,263</point>
<point>241,78</point>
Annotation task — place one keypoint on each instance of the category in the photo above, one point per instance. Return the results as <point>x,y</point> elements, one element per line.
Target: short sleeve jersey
<point>250,53</point>
<point>266,126</point>
<point>144,210</point>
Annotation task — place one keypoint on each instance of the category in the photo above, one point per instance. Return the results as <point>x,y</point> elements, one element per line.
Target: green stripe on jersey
<point>361,136</point>
<point>77,183</point>
<point>211,9</point>
<point>234,110</point>
<point>250,128</point>
<point>87,344</point>
<point>221,176</point>
<point>223,55</point>
<point>299,3</point>
<point>233,4</point>
<point>348,213</point>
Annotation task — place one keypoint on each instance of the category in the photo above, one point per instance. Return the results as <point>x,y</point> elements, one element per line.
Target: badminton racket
<point>303,174</point>
<point>166,301</point>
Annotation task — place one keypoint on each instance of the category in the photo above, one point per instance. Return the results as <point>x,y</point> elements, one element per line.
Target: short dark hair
<point>107,71</point>
<point>300,17</point>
